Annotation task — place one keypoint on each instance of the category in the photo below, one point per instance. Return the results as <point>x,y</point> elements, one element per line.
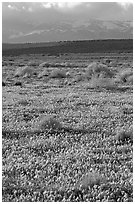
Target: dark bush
<point>126,75</point>
<point>18,83</point>
<point>48,123</point>
<point>3,83</point>
<point>123,136</point>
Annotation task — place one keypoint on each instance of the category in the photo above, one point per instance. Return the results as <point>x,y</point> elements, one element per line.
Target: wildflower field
<point>67,132</point>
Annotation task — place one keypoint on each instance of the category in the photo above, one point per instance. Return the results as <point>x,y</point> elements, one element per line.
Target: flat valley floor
<point>67,137</point>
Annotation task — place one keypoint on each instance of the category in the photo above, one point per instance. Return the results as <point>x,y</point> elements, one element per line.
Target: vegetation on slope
<point>87,46</point>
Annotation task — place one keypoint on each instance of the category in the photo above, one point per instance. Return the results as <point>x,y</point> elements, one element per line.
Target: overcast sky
<point>18,17</point>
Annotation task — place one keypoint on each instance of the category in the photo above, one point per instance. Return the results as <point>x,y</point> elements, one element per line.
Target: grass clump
<point>89,180</point>
<point>130,79</point>
<point>23,102</point>
<point>127,110</point>
<point>33,63</point>
<point>49,123</point>
<point>102,83</point>
<point>18,83</point>
<point>24,71</point>
<point>123,136</point>
<point>43,73</point>
<point>44,64</point>
<point>97,69</point>
<point>126,75</point>
<point>57,73</point>
<point>79,78</point>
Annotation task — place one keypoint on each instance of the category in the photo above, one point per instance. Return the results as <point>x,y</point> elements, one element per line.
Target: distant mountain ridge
<point>91,29</point>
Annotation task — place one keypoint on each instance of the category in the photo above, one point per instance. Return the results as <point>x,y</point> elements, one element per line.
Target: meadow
<point>67,132</point>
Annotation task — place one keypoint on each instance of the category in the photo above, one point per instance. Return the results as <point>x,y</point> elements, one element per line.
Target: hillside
<point>54,48</point>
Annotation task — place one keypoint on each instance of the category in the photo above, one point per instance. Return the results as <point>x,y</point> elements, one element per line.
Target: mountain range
<point>91,29</point>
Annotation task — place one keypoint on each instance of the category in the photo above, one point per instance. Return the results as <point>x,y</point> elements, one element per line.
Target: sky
<point>23,18</point>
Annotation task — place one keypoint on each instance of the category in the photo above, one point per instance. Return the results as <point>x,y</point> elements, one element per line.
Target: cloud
<point>13,7</point>
<point>34,6</point>
<point>30,9</point>
<point>47,5</point>
<point>125,4</point>
<point>108,11</point>
<point>21,34</point>
<point>21,18</point>
<point>68,5</point>
<point>60,5</point>
<point>86,8</point>
<point>35,32</point>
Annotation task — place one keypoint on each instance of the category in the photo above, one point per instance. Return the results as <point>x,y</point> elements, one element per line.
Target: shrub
<point>95,69</point>
<point>107,61</point>
<point>49,123</point>
<point>18,83</point>
<point>43,73</point>
<point>57,73</point>
<point>34,73</point>
<point>130,79</point>
<point>57,64</point>
<point>90,179</point>
<point>33,63</point>
<point>117,80</point>
<point>124,75</point>
<point>44,64</point>
<point>24,71</point>
<point>113,63</point>
<point>21,65</point>
<point>125,135</point>
<point>127,110</point>
<point>3,83</point>
<point>23,102</point>
<point>102,83</point>
<point>4,63</point>
<point>79,78</point>
<point>68,75</point>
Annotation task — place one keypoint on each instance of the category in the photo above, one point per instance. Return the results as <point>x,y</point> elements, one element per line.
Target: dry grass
<point>23,102</point>
<point>44,64</point>
<point>124,75</point>
<point>48,123</point>
<point>79,78</point>
<point>57,64</point>
<point>18,83</point>
<point>33,63</point>
<point>97,69</point>
<point>124,135</point>
<point>57,73</point>
<point>130,80</point>
<point>82,161</point>
<point>102,83</point>
<point>24,71</point>
<point>43,73</point>
<point>89,180</point>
